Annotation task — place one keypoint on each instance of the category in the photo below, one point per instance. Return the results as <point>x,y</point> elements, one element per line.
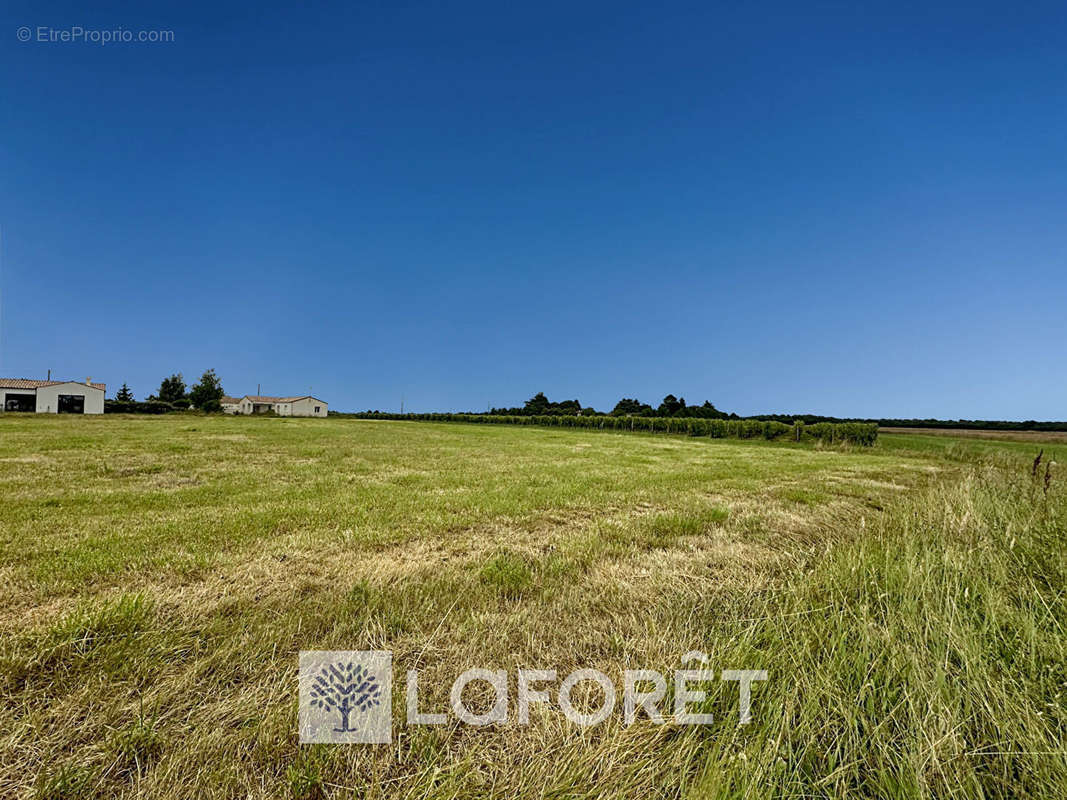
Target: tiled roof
<point>26,383</point>
<point>257,398</point>
<point>229,401</point>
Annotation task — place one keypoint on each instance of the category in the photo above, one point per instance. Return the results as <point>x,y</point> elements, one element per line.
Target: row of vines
<point>859,433</point>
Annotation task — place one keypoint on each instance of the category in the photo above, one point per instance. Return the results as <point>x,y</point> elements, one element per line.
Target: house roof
<point>226,400</point>
<point>27,383</point>
<point>255,398</point>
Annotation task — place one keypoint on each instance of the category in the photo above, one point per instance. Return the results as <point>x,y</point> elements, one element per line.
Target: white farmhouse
<point>52,397</point>
<point>305,406</point>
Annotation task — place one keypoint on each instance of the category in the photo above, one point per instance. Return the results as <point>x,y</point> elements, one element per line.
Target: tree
<point>124,395</point>
<point>706,411</point>
<point>630,406</point>
<point>172,388</point>
<point>565,407</point>
<point>345,688</point>
<point>207,394</point>
<point>538,404</point>
<point>709,411</point>
<point>670,406</point>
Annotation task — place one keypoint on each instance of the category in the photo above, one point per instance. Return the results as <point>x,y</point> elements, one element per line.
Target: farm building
<point>304,406</point>
<point>52,397</point>
<point>230,404</point>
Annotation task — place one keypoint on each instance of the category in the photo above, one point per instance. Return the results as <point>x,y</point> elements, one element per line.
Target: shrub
<point>144,407</point>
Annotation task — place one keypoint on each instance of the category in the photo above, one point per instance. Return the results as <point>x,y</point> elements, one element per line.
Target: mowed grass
<point>160,576</point>
<point>1005,449</point>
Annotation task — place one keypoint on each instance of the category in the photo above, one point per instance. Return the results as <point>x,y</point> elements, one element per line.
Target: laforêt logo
<point>346,696</point>
<point>345,687</point>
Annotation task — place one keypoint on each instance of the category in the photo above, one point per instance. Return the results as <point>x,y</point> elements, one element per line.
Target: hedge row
<point>862,433</point>
<point>139,407</point>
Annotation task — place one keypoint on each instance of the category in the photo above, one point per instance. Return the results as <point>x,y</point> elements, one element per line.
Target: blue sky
<point>795,208</point>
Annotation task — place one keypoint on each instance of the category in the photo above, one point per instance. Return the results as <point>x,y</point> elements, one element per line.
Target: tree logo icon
<point>345,687</point>
<point>346,696</point>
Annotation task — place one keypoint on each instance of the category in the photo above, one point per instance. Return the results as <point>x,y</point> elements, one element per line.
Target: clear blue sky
<point>843,209</point>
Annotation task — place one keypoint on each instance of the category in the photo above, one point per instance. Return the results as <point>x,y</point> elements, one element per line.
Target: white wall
<point>297,408</point>
<point>306,406</point>
<point>48,397</point>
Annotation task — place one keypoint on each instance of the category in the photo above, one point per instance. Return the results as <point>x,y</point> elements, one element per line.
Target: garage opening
<point>20,402</point>
<point>71,404</point>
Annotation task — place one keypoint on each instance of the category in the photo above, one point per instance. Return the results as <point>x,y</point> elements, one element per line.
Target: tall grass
<point>926,657</point>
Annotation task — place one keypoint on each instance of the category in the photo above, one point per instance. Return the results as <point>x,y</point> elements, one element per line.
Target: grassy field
<point>158,577</point>
<point>1038,437</point>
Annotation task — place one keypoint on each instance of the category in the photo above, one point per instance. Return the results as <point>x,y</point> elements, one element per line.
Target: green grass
<point>508,573</point>
<point>160,576</point>
<point>971,449</point>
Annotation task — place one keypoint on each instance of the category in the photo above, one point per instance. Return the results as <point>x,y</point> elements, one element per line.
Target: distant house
<point>304,406</point>
<point>52,397</point>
